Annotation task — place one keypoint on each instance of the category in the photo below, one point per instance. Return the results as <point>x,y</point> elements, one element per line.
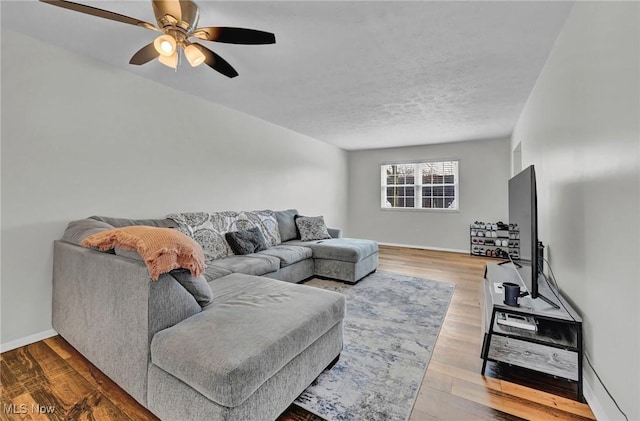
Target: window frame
<point>417,195</point>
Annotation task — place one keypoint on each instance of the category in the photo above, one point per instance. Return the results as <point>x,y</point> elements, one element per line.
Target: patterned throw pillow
<point>212,242</point>
<point>267,223</point>
<point>198,226</point>
<point>312,228</point>
<point>227,221</point>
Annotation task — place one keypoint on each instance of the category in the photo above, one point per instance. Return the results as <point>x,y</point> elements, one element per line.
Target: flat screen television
<point>523,211</point>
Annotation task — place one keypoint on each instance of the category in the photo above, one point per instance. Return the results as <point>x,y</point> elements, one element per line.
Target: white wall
<point>581,129</point>
<point>484,170</point>
<point>80,138</point>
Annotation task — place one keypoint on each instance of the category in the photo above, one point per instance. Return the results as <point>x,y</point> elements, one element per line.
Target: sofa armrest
<point>335,232</point>
<point>107,307</point>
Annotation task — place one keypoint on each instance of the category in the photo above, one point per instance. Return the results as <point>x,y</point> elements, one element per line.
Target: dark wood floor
<point>50,374</point>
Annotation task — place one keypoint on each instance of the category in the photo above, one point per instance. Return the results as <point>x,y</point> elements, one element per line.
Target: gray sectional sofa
<point>234,344</point>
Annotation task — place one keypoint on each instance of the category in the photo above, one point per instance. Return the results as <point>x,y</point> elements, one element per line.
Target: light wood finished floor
<point>51,373</point>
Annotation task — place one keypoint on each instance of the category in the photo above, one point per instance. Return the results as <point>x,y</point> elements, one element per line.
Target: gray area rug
<point>390,329</point>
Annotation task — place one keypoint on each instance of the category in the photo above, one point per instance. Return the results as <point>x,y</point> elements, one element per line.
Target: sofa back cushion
<point>205,230</point>
<point>209,229</point>
<point>125,222</point>
<point>286,224</point>
<point>267,223</point>
<point>77,231</point>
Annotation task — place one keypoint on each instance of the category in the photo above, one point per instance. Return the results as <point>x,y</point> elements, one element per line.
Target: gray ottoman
<point>346,259</point>
<point>244,357</point>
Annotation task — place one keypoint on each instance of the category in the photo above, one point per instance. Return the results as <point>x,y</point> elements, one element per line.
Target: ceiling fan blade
<point>144,55</point>
<point>216,62</point>
<point>234,35</point>
<point>100,13</point>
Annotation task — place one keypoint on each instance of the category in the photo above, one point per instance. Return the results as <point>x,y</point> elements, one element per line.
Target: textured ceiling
<point>356,74</point>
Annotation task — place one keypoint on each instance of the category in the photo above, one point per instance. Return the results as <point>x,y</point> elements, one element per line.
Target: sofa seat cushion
<point>249,264</point>
<point>245,336</point>
<point>288,254</point>
<point>212,273</point>
<point>342,249</point>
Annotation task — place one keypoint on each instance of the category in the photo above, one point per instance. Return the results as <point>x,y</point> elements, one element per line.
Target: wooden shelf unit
<point>555,348</point>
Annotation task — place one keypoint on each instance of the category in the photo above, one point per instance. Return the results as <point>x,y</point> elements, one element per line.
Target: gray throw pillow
<point>312,228</point>
<point>198,287</point>
<point>247,241</point>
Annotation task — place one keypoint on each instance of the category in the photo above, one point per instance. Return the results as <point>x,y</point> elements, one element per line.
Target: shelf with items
<point>548,332</point>
<point>497,240</point>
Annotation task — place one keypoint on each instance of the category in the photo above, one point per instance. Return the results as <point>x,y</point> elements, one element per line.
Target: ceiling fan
<point>178,21</point>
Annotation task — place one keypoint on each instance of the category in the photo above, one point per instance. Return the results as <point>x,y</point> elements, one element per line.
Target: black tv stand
<point>510,261</point>
<point>553,348</point>
<point>548,301</point>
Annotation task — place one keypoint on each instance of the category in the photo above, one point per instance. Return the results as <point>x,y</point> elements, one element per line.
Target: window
<point>420,185</point>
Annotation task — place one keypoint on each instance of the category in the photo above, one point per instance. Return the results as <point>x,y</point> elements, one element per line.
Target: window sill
<point>421,210</point>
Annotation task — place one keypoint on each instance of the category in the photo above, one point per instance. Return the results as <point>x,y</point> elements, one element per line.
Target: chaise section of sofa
<point>345,259</point>
<point>233,349</point>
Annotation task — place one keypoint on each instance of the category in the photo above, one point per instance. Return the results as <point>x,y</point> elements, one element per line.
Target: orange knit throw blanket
<point>162,249</point>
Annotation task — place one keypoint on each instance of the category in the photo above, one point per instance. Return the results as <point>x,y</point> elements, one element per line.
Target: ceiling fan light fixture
<point>169,61</point>
<point>177,21</point>
<point>165,45</point>
<point>195,57</point>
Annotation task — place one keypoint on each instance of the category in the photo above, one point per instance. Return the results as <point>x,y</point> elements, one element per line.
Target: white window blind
<point>420,185</point>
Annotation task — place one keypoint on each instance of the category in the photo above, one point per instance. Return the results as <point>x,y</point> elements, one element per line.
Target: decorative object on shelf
<point>501,240</point>
<point>512,294</point>
<point>515,320</point>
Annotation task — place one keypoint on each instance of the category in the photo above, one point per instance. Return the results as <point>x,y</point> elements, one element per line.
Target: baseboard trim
<point>423,247</point>
<point>592,400</point>
<point>601,404</point>
<point>27,340</point>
